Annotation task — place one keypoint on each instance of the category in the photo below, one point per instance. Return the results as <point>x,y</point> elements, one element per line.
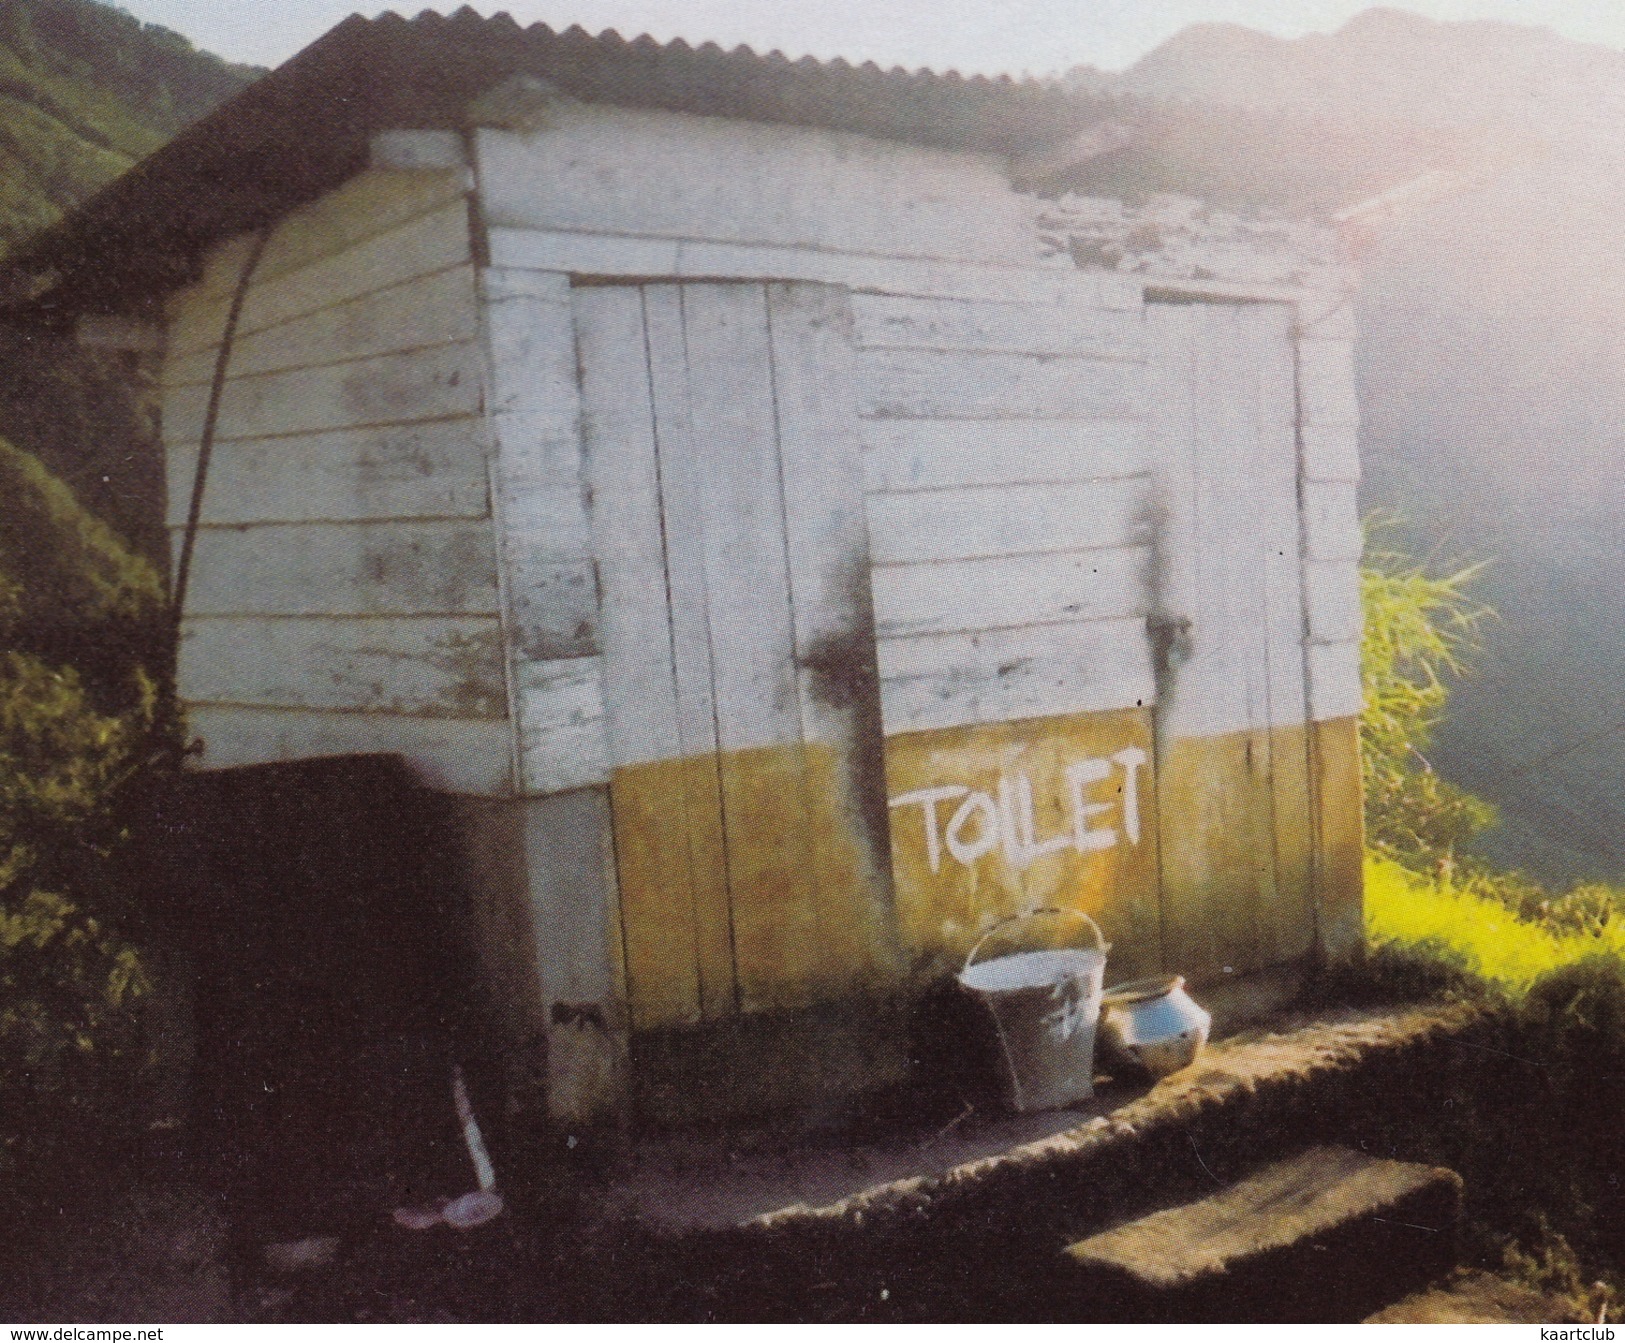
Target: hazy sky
<point>1038,36</point>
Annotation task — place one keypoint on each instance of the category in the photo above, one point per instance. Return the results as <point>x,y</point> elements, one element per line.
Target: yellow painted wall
<point>991,820</point>
<point>1340,838</point>
<point>1235,825</point>
<point>747,884</point>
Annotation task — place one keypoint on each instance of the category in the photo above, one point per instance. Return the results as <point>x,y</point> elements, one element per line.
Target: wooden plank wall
<point>1006,472</point>
<point>1231,764</point>
<point>1329,439</point>
<point>1009,502</point>
<point>344,592</point>
<point>1008,490</point>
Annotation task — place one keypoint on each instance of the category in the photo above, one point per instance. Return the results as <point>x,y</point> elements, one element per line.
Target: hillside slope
<point>85,91</point>
<point>1492,381</point>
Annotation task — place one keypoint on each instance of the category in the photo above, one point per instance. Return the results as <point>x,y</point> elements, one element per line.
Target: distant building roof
<point>304,128</point>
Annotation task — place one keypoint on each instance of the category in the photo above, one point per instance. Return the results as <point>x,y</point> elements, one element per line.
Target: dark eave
<point>306,127</point>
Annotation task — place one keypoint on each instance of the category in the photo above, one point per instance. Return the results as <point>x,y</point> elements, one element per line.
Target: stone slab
<point>1295,1240</point>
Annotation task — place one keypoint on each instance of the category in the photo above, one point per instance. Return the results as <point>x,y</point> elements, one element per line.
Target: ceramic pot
<point>1154,1025</point>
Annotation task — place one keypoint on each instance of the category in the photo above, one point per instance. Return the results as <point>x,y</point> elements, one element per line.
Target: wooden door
<point>738,645</point>
<point>1232,777</point>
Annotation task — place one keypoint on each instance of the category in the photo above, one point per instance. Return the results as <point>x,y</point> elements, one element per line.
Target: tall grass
<point>1471,931</point>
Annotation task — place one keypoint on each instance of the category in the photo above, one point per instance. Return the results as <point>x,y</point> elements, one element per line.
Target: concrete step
<point>1325,1236</point>
<point>1470,1296</point>
<point>963,1220</point>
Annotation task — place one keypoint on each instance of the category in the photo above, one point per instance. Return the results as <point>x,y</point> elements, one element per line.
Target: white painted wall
<point>1007,486</point>
<point>390,407</point>
<point>345,590</point>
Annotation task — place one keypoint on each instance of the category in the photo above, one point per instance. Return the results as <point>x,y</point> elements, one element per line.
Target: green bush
<point>1420,630</point>
<point>84,734</point>
<point>71,594</point>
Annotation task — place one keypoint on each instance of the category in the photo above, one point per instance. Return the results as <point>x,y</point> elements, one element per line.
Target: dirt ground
<point>727,1224</point>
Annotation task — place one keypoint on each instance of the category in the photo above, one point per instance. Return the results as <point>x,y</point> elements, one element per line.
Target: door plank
<point>827,551</point>
<point>682,486</point>
<point>770,861</point>
<point>639,682</point>
<point>1232,776</point>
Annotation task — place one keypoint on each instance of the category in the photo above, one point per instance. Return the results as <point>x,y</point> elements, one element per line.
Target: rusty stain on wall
<point>745,884</point>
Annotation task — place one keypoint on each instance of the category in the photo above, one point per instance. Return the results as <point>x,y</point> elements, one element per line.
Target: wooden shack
<point>699,469</point>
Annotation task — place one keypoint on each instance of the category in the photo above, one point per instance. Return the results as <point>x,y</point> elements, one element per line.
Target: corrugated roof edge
<point>306,126</point>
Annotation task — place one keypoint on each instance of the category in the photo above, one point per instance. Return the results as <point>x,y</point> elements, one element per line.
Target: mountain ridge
<point>86,91</point>
<point>1491,365</point>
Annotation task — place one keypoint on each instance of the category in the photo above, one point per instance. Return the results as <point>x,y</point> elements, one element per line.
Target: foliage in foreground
<point>1462,926</point>
<point>82,732</point>
<point>1420,631</point>
<point>1531,1117</point>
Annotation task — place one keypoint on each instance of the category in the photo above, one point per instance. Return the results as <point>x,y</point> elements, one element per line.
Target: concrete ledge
<point>975,1227</point>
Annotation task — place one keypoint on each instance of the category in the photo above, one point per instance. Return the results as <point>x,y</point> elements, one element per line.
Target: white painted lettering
<point>986,840</point>
<point>1036,848</point>
<point>1132,760</point>
<point>1009,822</point>
<point>1006,819</point>
<point>1078,777</point>
<point>927,799</point>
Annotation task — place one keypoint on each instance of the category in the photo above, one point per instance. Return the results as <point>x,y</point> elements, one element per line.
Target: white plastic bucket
<point>1045,1006</point>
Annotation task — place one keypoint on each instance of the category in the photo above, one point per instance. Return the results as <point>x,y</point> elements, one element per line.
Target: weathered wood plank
<point>426,245</point>
<point>989,520</point>
<point>1331,452</point>
<point>624,478</point>
<point>640,692</point>
<point>827,546</point>
<point>559,710</point>
<point>539,485</point>
<point>1326,386</point>
<point>684,478</point>
<point>1339,840</point>
<point>770,860</point>
<point>1333,592</point>
<point>885,321</point>
<point>434,470</point>
<point>1227,488</point>
<point>554,611</point>
<point>655,173</point>
<point>614,255</point>
<point>372,202</point>
<point>1331,521</point>
<point>456,755</point>
<point>954,680</point>
<point>914,384</point>
<point>436,309</point>
<point>1231,783</point>
<point>432,384</point>
<point>1015,590</point>
<point>1042,833</point>
<point>944,454</point>
<point>1334,681</point>
<point>378,568</point>
<point>435,667</point>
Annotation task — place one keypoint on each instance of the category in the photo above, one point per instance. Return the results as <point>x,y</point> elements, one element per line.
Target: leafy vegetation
<point>1420,631</point>
<point>86,91</point>
<point>1464,926</point>
<point>1530,1120</point>
<point>83,733</point>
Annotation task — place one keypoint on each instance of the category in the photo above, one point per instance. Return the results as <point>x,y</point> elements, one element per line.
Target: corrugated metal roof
<point>305,127</point>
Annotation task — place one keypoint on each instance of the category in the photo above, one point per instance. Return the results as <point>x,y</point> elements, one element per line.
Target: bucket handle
<point>1002,924</point>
